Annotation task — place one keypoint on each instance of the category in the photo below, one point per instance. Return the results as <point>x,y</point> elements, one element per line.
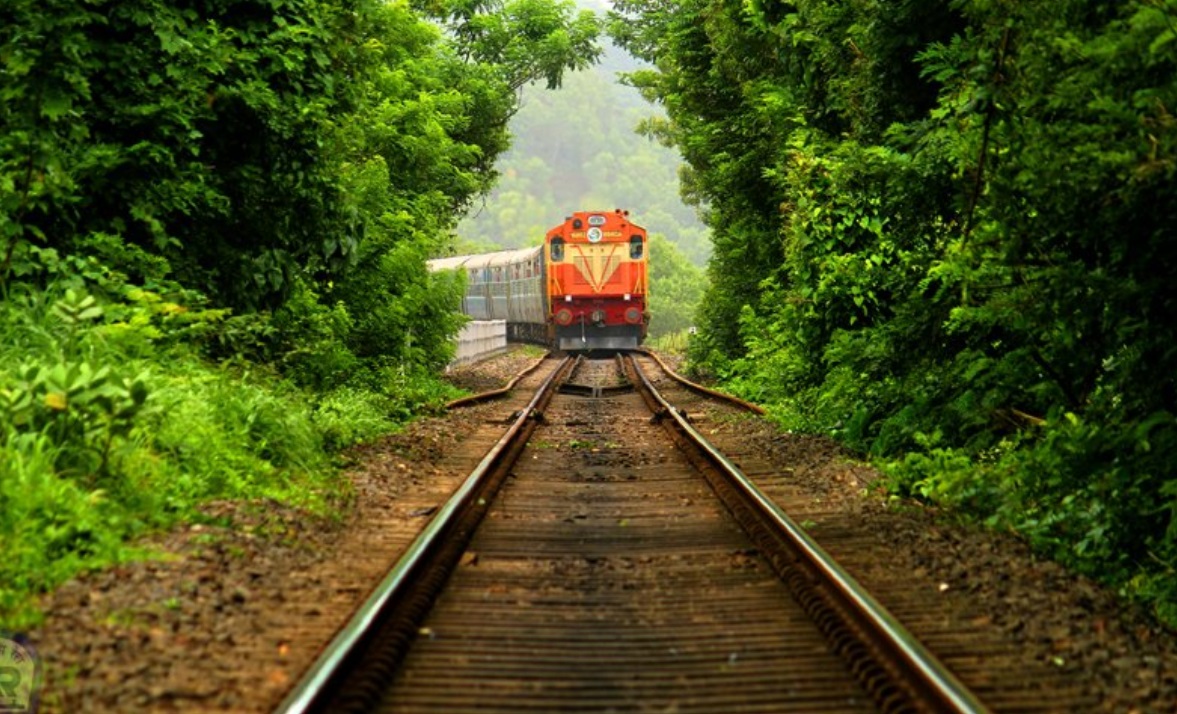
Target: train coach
<point>583,289</point>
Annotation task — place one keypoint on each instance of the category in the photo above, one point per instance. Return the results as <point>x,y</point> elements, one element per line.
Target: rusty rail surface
<point>413,582</point>
<point>891,663</point>
<point>699,388</point>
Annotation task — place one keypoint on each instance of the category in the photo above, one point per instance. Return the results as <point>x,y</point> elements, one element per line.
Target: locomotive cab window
<point>557,249</point>
<point>635,247</point>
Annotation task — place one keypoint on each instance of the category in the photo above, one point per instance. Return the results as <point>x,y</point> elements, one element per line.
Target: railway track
<point>962,636</point>
<point>586,565</point>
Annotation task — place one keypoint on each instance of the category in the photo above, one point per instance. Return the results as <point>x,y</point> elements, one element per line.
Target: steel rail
<point>699,388</point>
<point>323,678</point>
<point>930,685</point>
<point>496,393</point>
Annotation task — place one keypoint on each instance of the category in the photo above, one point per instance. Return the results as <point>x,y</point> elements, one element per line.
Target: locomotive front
<point>596,273</point>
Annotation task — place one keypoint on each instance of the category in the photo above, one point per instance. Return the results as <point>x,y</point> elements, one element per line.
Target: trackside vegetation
<point>214,219</point>
<point>944,233</point>
<point>676,287</point>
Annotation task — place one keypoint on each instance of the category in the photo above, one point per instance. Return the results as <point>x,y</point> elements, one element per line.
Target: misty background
<point>576,148</point>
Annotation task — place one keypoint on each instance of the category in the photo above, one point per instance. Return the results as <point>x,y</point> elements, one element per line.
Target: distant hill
<point>575,148</point>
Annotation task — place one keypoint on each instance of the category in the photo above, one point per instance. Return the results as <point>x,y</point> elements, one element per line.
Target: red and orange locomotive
<point>596,281</point>
<point>583,289</point>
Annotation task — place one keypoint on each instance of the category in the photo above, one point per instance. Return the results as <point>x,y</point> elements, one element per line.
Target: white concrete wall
<point>481,338</point>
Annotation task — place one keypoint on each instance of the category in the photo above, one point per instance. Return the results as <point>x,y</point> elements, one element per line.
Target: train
<point>584,289</point>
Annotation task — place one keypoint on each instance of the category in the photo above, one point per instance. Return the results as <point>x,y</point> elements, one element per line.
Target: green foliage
<point>522,41</point>
<point>428,122</point>
<point>941,234</point>
<point>76,405</point>
<point>50,526</point>
<point>80,407</point>
<point>127,119</point>
<point>1083,492</point>
<point>103,438</point>
<point>314,352</point>
<point>348,416</point>
<point>676,287</point>
<point>254,151</point>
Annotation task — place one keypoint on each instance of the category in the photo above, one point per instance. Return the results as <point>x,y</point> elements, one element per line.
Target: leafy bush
<point>348,416</point>
<point>50,526</point>
<point>107,434</point>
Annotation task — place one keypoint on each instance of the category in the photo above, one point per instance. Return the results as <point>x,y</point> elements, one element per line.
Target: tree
<point>193,132</point>
<point>676,287</point>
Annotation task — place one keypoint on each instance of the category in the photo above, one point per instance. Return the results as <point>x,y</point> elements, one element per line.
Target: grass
<point>110,430</point>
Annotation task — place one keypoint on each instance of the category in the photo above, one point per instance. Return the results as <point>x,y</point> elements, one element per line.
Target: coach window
<point>557,250</point>
<point>635,247</point>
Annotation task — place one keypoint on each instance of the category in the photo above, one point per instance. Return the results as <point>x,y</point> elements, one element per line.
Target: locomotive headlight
<point>598,316</point>
<point>633,315</point>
